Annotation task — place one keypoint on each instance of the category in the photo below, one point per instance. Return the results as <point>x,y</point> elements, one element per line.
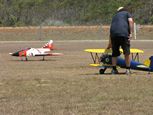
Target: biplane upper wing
<point>132,50</point>
<point>96,58</point>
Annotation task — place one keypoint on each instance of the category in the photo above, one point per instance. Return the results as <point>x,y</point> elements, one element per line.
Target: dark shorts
<point>118,42</point>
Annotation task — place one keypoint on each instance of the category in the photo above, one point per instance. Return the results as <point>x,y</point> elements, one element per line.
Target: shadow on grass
<point>120,73</point>
<point>32,60</point>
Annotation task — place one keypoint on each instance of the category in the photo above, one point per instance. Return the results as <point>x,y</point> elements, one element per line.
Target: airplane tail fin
<point>149,62</point>
<point>49,45</point>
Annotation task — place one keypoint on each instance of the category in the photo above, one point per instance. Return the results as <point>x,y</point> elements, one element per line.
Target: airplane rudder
<point>49,45</point>
<point>151,62</point>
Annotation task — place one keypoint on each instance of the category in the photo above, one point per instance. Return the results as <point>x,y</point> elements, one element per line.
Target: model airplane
<point>105,60</point>
<point>31,52</point>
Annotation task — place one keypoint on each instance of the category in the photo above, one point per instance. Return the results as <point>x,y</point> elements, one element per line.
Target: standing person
<point>120,35</point>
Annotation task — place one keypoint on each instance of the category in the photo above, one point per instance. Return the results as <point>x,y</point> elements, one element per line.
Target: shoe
<point>128,72</point>
<point>114,71</point>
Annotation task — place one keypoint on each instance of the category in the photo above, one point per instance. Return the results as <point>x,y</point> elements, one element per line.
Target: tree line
<point>70,12</point>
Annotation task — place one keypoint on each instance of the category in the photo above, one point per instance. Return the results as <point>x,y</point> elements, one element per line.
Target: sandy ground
<point>51,86</point>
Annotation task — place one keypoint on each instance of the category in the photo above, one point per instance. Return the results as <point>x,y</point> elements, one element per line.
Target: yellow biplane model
<point>102,58</point>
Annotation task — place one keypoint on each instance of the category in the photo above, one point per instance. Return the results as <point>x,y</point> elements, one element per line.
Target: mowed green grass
<point>66,85</point>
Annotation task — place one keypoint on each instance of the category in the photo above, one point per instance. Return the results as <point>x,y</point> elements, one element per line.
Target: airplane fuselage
<point>30,52</point>
<point>107,59</point>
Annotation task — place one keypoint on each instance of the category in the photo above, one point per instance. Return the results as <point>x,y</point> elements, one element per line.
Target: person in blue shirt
<point>120,35</point>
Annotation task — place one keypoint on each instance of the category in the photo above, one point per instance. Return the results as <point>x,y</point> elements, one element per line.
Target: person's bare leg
<point>127,60</point>
<point>114,61</point>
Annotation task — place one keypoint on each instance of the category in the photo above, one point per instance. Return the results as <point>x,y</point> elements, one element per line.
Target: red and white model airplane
<point>31,52</point>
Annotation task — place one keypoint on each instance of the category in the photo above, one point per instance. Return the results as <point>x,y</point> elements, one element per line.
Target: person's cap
<point>120,8</point>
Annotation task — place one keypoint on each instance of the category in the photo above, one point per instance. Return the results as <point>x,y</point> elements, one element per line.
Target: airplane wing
<point>142,66</point>
<point>98,50</point>
<point>95,65</point>
<point>49,54</point>
<point>136,51</point>
<point>132,50</point>
<point>95,53</point>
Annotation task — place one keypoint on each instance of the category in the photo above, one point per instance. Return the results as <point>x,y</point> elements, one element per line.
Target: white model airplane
<point>31,52</point>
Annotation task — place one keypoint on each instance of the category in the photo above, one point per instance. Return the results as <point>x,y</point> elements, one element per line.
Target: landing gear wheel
<point>102,71</point>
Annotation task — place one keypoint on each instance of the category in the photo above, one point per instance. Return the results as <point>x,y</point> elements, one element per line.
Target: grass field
<point>68,86</point>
